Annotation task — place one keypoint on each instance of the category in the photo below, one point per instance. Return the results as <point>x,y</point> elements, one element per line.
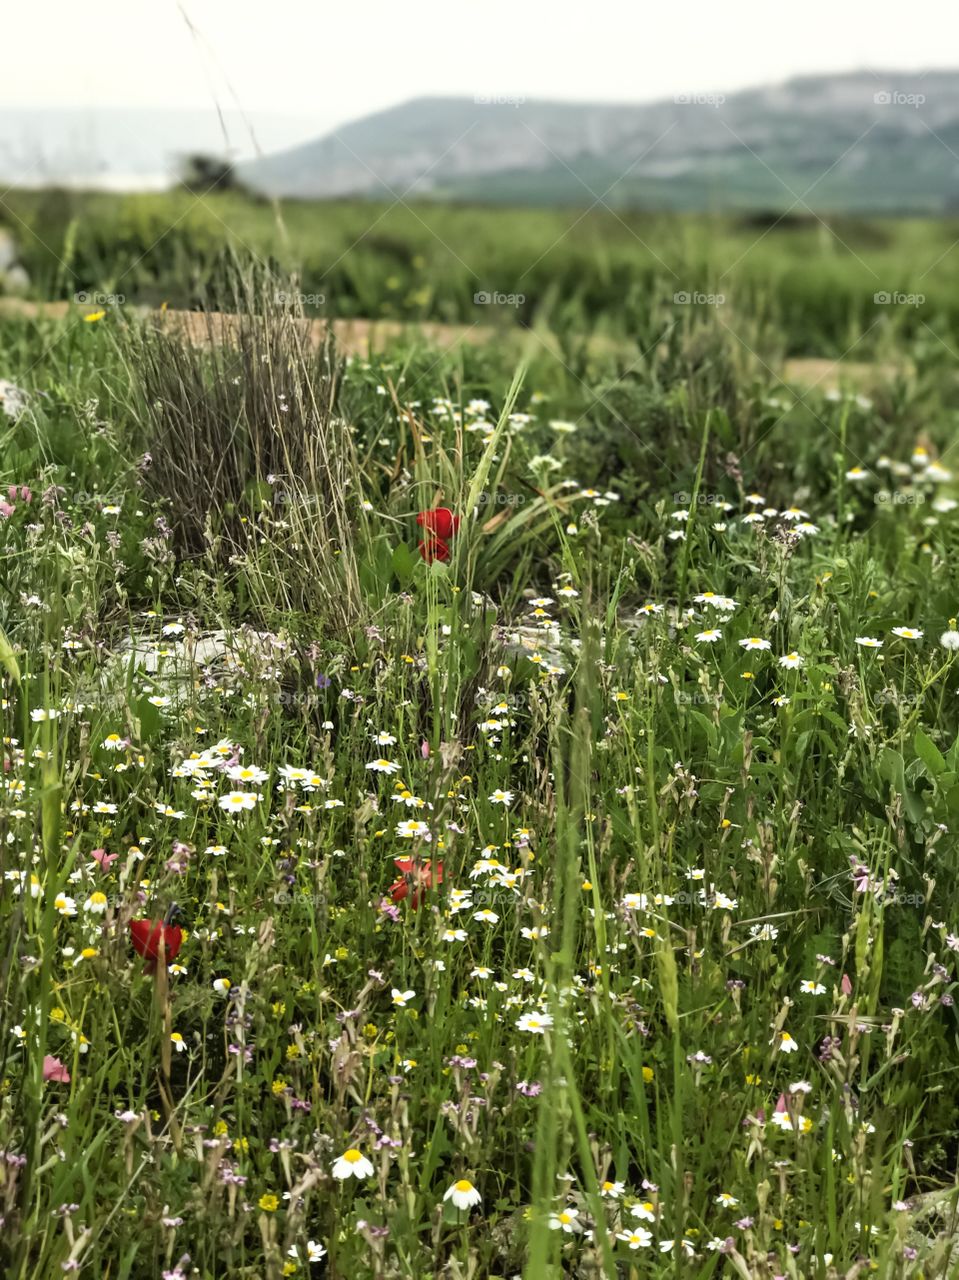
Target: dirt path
<point>363,337</point>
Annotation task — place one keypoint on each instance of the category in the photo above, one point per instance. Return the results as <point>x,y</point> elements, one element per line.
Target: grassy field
<point>811,281</point>
<point>474,819</point>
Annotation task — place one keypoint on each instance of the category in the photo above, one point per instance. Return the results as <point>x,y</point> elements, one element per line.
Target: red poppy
<point>146,936</point>
<point>434,549</point>
<point>417,876</point>
<point>440,521</point>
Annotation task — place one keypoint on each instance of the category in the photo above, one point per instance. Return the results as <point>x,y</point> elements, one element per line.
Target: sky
<point>322,64</point>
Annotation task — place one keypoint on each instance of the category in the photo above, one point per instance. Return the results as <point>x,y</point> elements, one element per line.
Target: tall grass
<point>243,425</point>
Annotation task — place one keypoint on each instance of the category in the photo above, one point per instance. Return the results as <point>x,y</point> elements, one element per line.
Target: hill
<point>861,142</point>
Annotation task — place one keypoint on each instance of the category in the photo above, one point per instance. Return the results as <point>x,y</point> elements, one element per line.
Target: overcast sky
<point>330,62</point>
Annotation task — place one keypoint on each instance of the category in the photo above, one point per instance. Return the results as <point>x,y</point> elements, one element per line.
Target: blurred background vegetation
<point>809,283</point>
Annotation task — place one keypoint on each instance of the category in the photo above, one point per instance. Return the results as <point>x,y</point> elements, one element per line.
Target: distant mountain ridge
<point>860,141</point>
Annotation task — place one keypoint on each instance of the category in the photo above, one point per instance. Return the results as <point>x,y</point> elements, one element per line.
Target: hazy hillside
<point>860,141</point>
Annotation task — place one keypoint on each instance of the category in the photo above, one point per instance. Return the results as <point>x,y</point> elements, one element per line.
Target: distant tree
<point>201,172</point>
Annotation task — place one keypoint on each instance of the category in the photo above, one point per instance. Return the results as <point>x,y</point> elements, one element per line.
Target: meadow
<point>805,282</point>
<point>486,812</point>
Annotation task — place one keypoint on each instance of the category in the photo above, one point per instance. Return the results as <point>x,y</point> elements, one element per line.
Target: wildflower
<point>53,1069</point>
<point>723,603</point>
<point>907,633</point>
<point>791,661</point>
<point>565,1220</point>
<point>710,635</point>
<point>786,1043</point>
<point>868,642</point>
<point>754,642</point>
<point>410,828</point>
<point>383,766</point>
<point>638,1238</point>
<point>950,640</point>
<point>246,773</point>
<point>440,525</point>
<point>433,549</point>
<point>535,1023</point>
<point>314,1252</point>
<point>811,988</point>
<point>178,1042</point>
<point>440,522</point>
<point>268,1203</point>
<point>352,1164</point>
<point>463,1194</point>
<point>148,936</point>
<point>402,998</point>
<point>415,875</point>
<point>501,797</point>
<point>238,801</point>
<point>164,810</point>
<point>667,1246</point>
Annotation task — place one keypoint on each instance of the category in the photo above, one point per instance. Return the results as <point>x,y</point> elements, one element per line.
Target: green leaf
<point>404,564</point>
<point>929,754</point>
<point>892,769</point>
<point>8,659</point>
<point>707,726</point>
